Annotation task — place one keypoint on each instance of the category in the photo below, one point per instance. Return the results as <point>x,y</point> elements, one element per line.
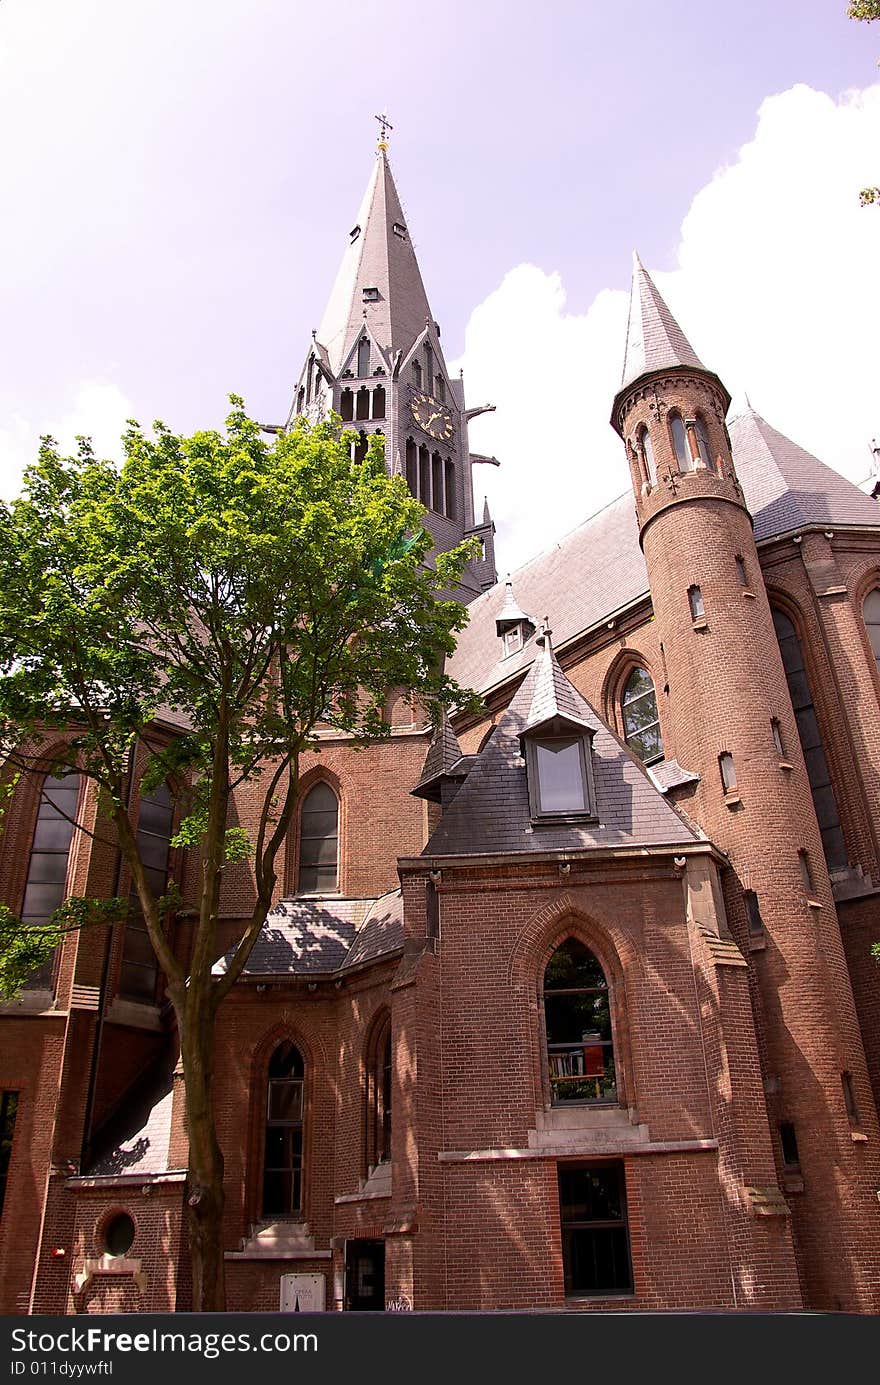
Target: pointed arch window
<point>379,402</point>
<point>363,403</point>
<point>46,885</point>
<point>319,841</point>
<point>824,801</point>
<point>346,405</point>
<point>449,488</point>
<point>363,359</point>
<point>140,968</point>
<point>646,447</point>
<point>641,722</point>
<point>683,456</point>
<point>283,1147</point>
<point>425,477</point>
<point>437,482</point>
<point>871,614</point>
<point>360,447</point>
<point>417,374</point>
<point>577,1019</point>
<point>379,1074</point>
<point>412,467</point>
<point>441,389</point>
<point>702,437</point>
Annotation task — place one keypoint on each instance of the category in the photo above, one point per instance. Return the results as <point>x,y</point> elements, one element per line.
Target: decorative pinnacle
<point>384,126</point>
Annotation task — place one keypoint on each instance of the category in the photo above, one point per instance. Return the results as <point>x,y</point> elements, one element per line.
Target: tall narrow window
<point>641,724</point>
<point>360,447</point>
<point>776,732</point>
<point>300,400</point>
<point>449,488</point>
<point>429,366</point>
<point>824,800</point>
<point>363,403</point>
<point>379,1097</point>
<point>595,1238</point>
<point>140,969</point>
<point>680,443</point>
<point>283,1156</point>
<point>412,467</point>
<point>695,597</point>
<point>728,772</point>
<point>8,1109</point>
<point>441,389</point>
<point>788,1139</point>
<point>741,574</point>
<point>363,361</point>
<point>702,437</point>
<point>425,477</point>
<point>417,374</point>
<point>319,841</point>
<point>646,448</point>
<point>871,613</point>
<point>806,874</point>
<point>379,402</point>
<point>753,913</point>
<point>46,885</point>
<point>346,405</point>
<point>437,482</point>
<point>849,1098</point>
<point>577,1016</point>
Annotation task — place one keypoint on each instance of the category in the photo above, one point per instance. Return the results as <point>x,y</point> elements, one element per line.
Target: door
<point>365,1276</point>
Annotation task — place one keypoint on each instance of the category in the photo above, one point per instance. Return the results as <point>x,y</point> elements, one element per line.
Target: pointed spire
<point>510,613</point>
<point>654,340</point>
<point>487,518</point>
<point>378,279</point>
<point>443,762</point>
<point>553,698</point>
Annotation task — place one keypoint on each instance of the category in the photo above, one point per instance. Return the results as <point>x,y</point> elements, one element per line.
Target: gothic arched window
<point>702,437</point>
<point>140,969</point>
<point>641,723</point>
<point>319,841</point>
<point>437,482</point>
<point>363,403</point>
<point>425,477</point>
<point>417,374</point>
<point>360,447</point>
<point>46,885</point>
<point>283,1149</point>
<point>871,614</point>
<point>379,402</point>
<point>646,447</point>
<point>824,801</point>
<point>577,1017</point>
<point>412,467</point>
<point>363,361</point>
<point>680,443</point>
<point>379,1071</point>
<point>449,487</point>
<point>346,405</point>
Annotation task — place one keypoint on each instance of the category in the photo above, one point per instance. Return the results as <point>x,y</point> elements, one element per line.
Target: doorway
<point>365,1276</point>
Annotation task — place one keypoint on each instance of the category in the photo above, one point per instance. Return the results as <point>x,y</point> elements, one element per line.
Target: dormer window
<point>560,771</point>
<point>354,233</point>
<point>399,230</point>
<point>512,640</point>
<point>371,295</point>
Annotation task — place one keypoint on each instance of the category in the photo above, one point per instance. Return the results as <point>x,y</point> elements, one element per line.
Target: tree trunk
<point>204,1185</point>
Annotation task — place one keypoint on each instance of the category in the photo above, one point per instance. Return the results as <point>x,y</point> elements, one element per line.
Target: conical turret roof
<point>380,257</point>
<point>654,340</point>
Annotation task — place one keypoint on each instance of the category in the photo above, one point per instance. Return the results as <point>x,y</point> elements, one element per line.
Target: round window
<point>118,1234</point>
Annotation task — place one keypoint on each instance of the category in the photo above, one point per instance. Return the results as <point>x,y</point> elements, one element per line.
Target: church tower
<point>728,717</point>
<point>376,360</point>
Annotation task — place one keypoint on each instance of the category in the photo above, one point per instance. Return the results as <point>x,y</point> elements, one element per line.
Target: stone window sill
<point>858,1137</point>
<point>785,764</point>
<point>757,944</point>
<point>814,904</point>
<point>748,596</point>
<point>701,624</point>
<point>732,800</point>
<point>792,1181</point>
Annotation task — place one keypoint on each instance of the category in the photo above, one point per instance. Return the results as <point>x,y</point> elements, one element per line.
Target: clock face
<point>433,418</point>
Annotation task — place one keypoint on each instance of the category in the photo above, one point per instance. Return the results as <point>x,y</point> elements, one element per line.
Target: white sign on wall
<point>302,1293</point>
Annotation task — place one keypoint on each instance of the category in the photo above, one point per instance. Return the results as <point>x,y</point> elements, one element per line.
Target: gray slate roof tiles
<point>311,937</point>
<point>654,340</point>
<point>490,814</point>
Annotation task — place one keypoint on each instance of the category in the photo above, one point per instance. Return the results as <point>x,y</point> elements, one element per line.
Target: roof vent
<point>399,230</point>
<point>354,233</point>
<point>371,295</point>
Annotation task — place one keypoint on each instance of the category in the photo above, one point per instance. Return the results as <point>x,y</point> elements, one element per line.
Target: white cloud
<point>776,287</point>
<point>98,410</point>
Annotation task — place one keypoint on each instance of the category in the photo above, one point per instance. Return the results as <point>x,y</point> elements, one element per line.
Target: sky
<point>179,177</point>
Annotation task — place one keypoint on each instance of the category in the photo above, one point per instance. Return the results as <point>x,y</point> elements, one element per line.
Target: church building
<point>570,1005</point>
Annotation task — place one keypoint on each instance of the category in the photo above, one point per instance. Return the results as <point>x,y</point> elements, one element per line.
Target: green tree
<point>247,591</point>
<point>866,10</point>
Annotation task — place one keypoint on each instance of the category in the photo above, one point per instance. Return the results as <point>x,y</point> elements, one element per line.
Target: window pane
<point>595,1239</point>
<point>285,1100</point>
<point>679,442</point>
<point>871,612</point>
<point>319,845</point>
<point>702,441</point>
<point>560,776</point>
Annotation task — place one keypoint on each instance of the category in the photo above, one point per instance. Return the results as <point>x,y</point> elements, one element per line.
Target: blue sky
<point>180,175</point>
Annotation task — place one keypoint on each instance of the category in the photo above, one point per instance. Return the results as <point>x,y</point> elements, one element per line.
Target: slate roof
<point>552,697</point>
<point>490,813</point>
<point>378,258</point>
<point>787,487</point>
<point>444,760</point>
<point>654,340</point>
<point>137,1139</point>
<point>312,937</point>
<point>598,569</point>
<point>669,774</point>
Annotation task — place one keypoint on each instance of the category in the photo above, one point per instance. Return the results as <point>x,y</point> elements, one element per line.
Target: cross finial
<point>384,126</point>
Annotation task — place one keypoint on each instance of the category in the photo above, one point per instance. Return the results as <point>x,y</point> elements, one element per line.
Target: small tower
<point>727,713</point>
<point>376,360</point>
